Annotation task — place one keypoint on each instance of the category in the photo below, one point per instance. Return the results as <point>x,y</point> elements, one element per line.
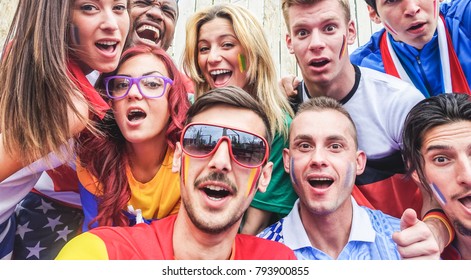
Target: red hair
<point>105,157</point>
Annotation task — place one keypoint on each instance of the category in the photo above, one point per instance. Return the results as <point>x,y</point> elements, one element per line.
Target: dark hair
<point>106,157</point>
<point>230,96</point>
<point>425,115</point>
<point>322,103</point>
<point>372,4</point>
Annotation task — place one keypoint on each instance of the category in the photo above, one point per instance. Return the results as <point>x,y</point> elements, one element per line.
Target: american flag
<point>43,227</point>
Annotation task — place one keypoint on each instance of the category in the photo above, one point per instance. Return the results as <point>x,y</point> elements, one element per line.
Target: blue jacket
<point>457,15</point>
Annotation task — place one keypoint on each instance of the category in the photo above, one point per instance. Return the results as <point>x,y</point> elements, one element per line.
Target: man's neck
<point>190,243</point>
<point>338,88</point>
<point>328,233</point>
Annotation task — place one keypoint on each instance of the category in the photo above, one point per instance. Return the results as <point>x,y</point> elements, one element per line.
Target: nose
<point>214,56</point>
<point>464,171</point>
<point>155,12</point>
<point>411,7</point>
<point>109,21</point>
<point>316,42</point>
<point>318,158</point>
<point>221,159</point>
<point>134,92</point>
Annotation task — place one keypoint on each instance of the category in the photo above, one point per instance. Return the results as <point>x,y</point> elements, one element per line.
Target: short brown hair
<point>286,4</point>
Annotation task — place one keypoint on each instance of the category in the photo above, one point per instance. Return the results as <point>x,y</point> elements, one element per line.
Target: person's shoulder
<point>387,81</point>
<point>368,54</point>
<point>455,8</point>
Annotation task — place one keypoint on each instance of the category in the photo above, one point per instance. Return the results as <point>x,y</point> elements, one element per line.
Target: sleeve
<point>85,246</point>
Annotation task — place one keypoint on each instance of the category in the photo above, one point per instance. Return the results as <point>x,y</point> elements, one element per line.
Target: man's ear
<point>286,163</point>
<point>289,43</point>
<point>177,158</point>
<point>265,177</point>
<point>352,33</point>
<point>374,15</point>
<point>361,162</point>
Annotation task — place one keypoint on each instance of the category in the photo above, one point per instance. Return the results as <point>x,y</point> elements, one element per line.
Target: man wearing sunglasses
<point>222,162</point>
<point>326,222</point>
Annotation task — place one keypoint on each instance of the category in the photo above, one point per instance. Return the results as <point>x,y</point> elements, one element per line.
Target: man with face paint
<point>318,34</point>
<point>437,144</point>
<point>222,161</point>
<point>423,42</point>
<point>326,222</point>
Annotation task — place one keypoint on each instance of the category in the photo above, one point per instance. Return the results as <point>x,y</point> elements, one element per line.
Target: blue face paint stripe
<point>291,173</point>
<point>438,193</point>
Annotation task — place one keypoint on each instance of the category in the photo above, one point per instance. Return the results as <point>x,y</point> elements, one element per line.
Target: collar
<point>295,236</point>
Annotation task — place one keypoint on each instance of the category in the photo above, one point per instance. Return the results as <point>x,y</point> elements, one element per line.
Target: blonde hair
<point>262,81</point>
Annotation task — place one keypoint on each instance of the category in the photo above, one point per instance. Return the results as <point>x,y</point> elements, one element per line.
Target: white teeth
<point>215,188</point>
<point>149,27</point>
<point>219,72</point>
<point>214,198</point>
<point>321,179</point>
<point>108,43</point>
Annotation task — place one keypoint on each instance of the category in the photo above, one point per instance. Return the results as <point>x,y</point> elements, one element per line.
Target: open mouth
<point>216,193</point>
<point>148,33</point>
<point>135,115</point>
<point>221,76</point>
<point>320,63</point>
<point>466,201</point>
<point>320,183</point>
<point>107,46</point>
<point>415,27</point>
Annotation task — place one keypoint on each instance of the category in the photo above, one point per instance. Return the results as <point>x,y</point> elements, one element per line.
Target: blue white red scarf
<point>448,58</point>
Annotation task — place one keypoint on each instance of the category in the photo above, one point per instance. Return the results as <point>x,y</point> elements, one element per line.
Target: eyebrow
<point>144,74</point>
<point>437,147</point>
<point>329,138</point>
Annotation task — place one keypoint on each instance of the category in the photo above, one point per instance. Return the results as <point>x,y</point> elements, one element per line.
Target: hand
<point>415,240</point>
<point>289,84</point>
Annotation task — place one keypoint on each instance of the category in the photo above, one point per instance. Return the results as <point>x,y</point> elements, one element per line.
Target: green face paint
<point>242,63</point>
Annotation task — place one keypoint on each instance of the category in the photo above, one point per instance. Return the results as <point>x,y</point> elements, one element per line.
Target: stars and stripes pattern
<point>43,227</point>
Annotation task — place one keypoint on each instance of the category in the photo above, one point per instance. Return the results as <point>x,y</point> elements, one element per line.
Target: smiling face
<point>319,37</point>
<point>154,22</point>
<point>216,190</point>
<point>447,166</point>
<point>322,160</point>
<point>142,119</point>
<point>98,33</point>
<point>410,21</point>
<point>219,52</point>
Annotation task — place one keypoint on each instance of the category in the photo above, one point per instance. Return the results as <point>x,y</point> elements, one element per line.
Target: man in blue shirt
<point>326,222</point>
<point>424,42</point>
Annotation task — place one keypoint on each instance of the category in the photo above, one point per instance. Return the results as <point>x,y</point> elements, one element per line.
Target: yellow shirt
<point>157,198</point>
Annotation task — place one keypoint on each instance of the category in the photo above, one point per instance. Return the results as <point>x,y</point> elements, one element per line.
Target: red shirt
<point>154,242</point>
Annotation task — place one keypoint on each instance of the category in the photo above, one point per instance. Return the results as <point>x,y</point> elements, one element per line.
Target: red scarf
<point>81,81</point>
<point>458,79</point>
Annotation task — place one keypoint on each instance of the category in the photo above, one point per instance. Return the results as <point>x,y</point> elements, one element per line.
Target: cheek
<point>292,172</point>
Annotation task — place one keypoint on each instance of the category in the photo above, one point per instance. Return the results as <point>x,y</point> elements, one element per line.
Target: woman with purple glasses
<point>125,171</point>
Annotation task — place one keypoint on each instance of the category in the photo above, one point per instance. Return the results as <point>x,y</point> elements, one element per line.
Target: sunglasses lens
<point>247,149</point>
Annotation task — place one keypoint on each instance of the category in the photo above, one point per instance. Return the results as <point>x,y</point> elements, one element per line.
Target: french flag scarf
<point>448,58</point>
